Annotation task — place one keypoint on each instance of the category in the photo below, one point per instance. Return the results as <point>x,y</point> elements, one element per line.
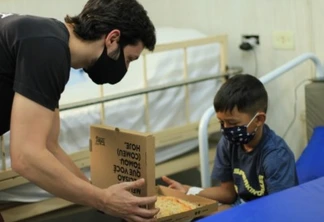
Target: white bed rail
<point>206,117</point>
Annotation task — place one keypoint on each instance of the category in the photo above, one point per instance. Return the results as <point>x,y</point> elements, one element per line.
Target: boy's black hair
<point>245,92</point>
<point>100,17</point>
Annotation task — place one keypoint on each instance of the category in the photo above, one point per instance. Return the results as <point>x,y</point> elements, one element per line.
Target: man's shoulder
<point>19,27</point>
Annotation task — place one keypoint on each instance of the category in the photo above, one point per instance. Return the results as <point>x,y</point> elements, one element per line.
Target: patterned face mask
<point>239,134</point>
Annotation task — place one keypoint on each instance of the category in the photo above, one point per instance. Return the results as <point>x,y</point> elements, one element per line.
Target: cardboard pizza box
<point>119,155</point>
<point>205,206</point>
<point>122,156</point>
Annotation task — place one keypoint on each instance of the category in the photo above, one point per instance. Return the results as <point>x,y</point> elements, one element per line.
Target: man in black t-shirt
<point>35,58</point>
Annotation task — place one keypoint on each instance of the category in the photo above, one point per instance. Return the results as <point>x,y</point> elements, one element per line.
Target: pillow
<point>310,165</point>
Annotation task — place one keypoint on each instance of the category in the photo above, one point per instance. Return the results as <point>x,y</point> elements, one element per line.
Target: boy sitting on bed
<point>251,160</point>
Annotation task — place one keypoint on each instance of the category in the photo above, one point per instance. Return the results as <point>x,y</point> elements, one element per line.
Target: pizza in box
<point>169,205</point>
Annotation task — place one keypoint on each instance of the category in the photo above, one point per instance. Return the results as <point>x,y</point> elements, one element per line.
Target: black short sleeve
<point>42,70</point>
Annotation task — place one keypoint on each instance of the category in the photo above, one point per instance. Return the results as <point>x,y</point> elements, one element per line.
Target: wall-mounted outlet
<point>283,40</point>
<point>249,42</point>
<point>249,37</point>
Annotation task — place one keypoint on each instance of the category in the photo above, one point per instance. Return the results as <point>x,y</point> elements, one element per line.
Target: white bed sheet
<point>166,108</point>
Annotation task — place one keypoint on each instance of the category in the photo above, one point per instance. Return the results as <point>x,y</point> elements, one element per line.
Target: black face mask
<point>108,70</point>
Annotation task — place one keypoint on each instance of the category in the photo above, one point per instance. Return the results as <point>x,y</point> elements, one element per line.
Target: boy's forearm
<point>219,193</point>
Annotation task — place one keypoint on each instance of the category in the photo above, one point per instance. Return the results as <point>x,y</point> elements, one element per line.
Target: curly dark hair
<point>99,17</point>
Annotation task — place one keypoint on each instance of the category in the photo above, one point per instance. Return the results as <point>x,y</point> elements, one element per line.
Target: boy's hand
<point>175,185</point>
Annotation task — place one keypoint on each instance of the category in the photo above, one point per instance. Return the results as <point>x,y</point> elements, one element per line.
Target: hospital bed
<point>164,92</point>
<point>314,112</point>
<point>301,203</point>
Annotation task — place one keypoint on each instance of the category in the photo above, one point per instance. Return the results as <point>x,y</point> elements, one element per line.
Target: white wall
<point>56,8</point>
<point>234,17</point>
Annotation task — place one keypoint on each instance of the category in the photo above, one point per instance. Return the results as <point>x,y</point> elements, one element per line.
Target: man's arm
<point>30,128</point>
<point>31,124</point>
<point>54,147</point>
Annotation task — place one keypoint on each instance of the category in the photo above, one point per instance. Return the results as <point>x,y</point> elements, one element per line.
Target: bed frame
<point>166,137</point>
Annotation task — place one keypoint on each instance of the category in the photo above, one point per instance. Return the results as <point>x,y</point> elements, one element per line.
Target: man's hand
<point>119,202</point>
<point>175,185</point>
